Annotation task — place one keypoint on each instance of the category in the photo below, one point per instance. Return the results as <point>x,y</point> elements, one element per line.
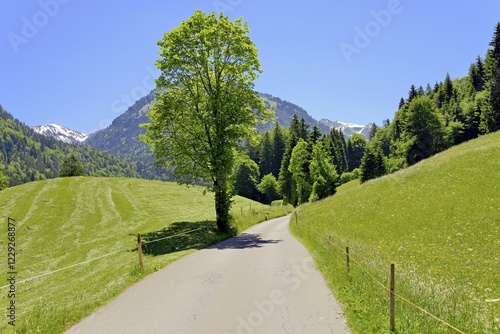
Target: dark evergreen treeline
<point>28,156</point>
<point>297,163</point>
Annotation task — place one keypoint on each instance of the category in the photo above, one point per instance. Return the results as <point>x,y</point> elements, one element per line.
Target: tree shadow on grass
<point>180,236</point>
<point>244,240</point>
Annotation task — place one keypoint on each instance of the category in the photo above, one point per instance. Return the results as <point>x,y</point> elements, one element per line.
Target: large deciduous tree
<point>323,174</point>
<point>206,103</point>
<point>299,167</point>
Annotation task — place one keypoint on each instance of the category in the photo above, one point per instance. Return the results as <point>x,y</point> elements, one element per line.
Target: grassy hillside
<point>62,222</point>
<point>438,222</point>
<point>28,156</point>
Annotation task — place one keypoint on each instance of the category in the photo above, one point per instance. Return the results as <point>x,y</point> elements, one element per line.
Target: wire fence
<point>248,207</point>
<point>363,267</point>
<point>98,258</point>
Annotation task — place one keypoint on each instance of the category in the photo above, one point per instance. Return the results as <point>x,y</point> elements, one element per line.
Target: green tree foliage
<point>268,186</point>
<point>286,186</point>
<point>266,154</point>
<point>246,177</point>
<point>412,93</point>
<point>286,182</point>
<point>4,179</point>
<point>373,129</point>
<point>299,167</point>
<point>373,165</point>
<point>304,129</point>
<point>421,128</point>
<point>477,74</point>
<point>490,117</point>
<point>207,103</point>
<point>314,136</point>
<point>323,174</point>
<point>356,146</point>
<point>336,145</point>
<point>71,167</point>
<point>279,144</point>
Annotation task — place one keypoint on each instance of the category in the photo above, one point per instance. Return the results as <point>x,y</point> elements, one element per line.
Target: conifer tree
<point>371,132</point>
<point>279,143</point>
<point>372,165</point>
<point>490,118</point>
<point>476,74</point>
<point>335,142</point>
<point>314,136</point>
<point>71,167</point>
<point>286,182</point>
<point>356,146</point>
<point>304,129</point>
<point>266,154</point>
<point>412,93</point>
<point>401,103</point>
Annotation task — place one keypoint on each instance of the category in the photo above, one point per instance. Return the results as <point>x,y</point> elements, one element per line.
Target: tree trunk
<point>222,206</point>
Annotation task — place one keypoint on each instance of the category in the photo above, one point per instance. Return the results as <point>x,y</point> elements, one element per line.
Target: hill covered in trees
<point>448,113</point>
<point>428,121</point>
<point>28,156</point>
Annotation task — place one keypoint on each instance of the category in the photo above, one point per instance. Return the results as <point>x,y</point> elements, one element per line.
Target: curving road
<point>261,281</point>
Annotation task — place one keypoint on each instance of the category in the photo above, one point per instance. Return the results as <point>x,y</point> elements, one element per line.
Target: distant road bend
<point>261,281</point>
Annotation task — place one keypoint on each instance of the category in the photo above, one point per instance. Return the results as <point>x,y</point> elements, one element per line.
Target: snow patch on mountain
<point>61,133</point>
<point>348,129</point>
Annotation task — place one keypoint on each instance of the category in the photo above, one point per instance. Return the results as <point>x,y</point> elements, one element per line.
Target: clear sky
<point>82,63</point>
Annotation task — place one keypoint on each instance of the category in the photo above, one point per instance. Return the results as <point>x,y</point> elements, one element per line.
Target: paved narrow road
<point>262,281</point>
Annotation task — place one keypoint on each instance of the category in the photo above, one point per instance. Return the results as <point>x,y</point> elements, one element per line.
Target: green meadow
<point>88,227</point>
<point>438,222</point>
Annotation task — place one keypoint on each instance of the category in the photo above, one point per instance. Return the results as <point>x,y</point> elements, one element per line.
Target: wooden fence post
<point>347,258</point>
<point>139,250</point>
<point>392,320</point>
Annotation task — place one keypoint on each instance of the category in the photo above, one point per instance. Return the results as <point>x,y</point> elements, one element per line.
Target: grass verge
<point>438,222</point>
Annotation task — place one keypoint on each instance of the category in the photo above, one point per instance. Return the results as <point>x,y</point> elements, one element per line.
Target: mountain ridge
<point>61,133</point>
<point>121,137</point>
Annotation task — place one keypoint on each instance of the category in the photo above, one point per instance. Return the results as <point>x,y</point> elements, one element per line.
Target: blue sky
<point>82,63</point>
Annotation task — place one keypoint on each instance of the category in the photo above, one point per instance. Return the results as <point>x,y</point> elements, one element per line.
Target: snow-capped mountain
<point>347,128</point>
<point>61,133</point>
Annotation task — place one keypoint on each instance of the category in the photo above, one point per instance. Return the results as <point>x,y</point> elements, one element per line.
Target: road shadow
<point>180,236</point>
<point>244,240</point>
